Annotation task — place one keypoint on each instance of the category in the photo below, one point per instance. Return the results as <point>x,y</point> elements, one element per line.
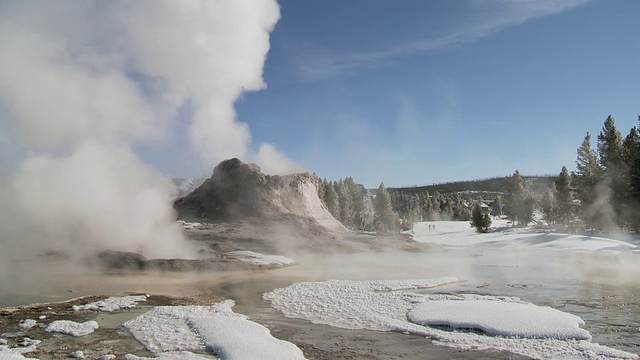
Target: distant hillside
<point>536,184</point>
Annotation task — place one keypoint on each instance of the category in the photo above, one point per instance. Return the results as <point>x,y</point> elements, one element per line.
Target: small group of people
<point>432,227</point>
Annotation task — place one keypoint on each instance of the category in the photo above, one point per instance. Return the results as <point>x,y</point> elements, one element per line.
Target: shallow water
<point>603,289</point>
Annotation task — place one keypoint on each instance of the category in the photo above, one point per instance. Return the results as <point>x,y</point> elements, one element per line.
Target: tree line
<point>390,210</point>
<point>602,194</point>
<point>356,208</point>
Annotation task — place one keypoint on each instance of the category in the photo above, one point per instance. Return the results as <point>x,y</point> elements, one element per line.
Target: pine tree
<point>496,208</point>
<point>615,172</point>
<point>332,201</point>
<point>519,201</point>
<point>320,189</point>
<point>480,221</point>
<point>347,211</point>
<point>564,197</point>
<point>386,219</point>
<point>367,213</point>
<point>631,156</point>
<point>548,205</point>
<point>586,178</point>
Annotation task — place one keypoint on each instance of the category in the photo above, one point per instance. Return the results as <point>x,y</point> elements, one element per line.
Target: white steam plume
<point>83,82</point>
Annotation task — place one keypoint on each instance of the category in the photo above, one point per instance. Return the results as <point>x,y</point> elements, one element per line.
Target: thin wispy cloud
<point>481,18</point>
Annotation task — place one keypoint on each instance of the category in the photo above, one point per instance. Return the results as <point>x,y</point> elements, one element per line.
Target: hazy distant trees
<point>366,213</point>
<point>496,207</point>
<point>586,178</point>
<point>614,169</point>
<point>564,197</point>
<point>607,183</point>
<point>385,218</point>
<point>548,205</point>
<point>330,197</point>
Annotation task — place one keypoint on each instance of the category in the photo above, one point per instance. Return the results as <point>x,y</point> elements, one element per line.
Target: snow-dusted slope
<point>460,233</point>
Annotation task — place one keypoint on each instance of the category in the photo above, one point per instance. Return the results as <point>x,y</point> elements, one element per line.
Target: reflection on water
<point>603,289</point>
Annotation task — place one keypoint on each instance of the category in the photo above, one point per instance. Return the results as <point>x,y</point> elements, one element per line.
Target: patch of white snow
<point>497,316</point>
<point>112,303</point>
<point>72,328</point>
<point>27,324</point>
<point>215,328</point>
<point>78,354</point>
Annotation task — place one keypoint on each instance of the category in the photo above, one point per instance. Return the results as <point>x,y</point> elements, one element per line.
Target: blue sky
<point>417,92</point>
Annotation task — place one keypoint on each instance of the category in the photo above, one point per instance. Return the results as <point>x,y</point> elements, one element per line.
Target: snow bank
<point>112,303</point>
<point>378,305</point>
<point>72,328</point>
<point>499,316</point>
<point>460,233</point>
<point>214,328</point>
<point>260,259</point>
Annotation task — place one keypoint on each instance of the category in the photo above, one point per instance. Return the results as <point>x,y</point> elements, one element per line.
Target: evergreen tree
<point>611,159</point>
<point>496,209</point>
<point>386,219</point>
<point>564,197</point>
<point>347,211</point>
<point>631,156</point>
<point>480,221</point>
<point>586,178</point>
<point>548,205</point>
<point>367,213</point>
<point>520,203</point>
<point>332,201</point>
<point>320,189</point>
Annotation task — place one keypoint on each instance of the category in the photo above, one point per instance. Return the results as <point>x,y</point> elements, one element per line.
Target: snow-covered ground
<point>215,328</point>
<point>174,332</point>
<point>460,233</point>
<point>112,303</point>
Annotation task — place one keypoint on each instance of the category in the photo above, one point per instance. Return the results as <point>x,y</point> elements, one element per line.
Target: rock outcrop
<point>237,190</point>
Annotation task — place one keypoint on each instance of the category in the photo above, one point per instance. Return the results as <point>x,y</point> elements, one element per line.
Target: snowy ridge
<point>72,328</point>
<point>459,233</point>
<point>213,328</point>
<point>378,305</point>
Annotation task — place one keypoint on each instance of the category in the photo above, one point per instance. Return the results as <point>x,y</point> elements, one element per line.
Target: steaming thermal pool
<point>528,292</point>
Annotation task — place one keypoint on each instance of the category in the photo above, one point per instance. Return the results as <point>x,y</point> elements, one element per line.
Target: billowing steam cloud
<point>84,82</point>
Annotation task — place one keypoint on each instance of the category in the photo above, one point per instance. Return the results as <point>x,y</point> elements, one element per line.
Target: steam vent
<point>237,190</point>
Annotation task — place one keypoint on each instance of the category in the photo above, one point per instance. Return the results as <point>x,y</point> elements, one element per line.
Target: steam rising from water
<point>82,83</point>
